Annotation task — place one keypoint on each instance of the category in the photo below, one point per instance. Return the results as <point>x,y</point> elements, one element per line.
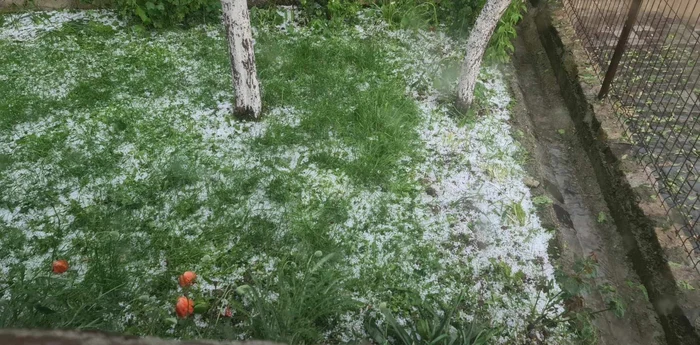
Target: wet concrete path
<point>579,212</point>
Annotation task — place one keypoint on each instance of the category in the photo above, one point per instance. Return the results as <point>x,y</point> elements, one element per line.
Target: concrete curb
<point>56,337</point>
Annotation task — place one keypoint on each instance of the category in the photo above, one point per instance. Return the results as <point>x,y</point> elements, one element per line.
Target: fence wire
<point>655,93</point>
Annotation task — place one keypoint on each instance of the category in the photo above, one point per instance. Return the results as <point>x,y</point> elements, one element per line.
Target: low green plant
<point>541,201</point>
<point>685,285</point>
<point>430,328</point>
<point>517,214</point>
<point>320,13</point>
<point>162,13</point>
<point>309,300</point>
<point>409,13</point>
<point>640,287</point>
<point>602,217</point>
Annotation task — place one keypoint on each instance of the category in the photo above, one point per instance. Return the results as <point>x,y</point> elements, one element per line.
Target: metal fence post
<point>620,48</point>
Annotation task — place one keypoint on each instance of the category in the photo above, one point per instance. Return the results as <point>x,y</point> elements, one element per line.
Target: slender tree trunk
<point>240,44</point>
<point>478,40</point>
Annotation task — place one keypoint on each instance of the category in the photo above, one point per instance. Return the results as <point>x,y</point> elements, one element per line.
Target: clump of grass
<point>308,300</point>
<point>429,327</point>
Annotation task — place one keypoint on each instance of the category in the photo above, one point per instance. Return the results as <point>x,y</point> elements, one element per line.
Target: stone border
<point>639,217</point>
<point>56,337</point>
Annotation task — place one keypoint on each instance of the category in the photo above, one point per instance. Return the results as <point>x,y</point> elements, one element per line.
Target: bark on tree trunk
<point>243,70</point>
<point>478,40</point>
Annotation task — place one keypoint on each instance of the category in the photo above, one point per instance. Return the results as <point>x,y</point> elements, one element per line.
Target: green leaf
<point>142,14</point>
<point>43,309</point>
<point>201,307</point>
<point>321,262</point>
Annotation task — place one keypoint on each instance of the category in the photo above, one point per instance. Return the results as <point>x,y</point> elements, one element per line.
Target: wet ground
<point>584,228</point>
<point>655,89</point>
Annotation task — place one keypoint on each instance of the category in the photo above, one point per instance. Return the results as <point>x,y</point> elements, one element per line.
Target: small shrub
<point>409,14</point>
<point>459,16</point>
<point>501,46</point>
<point>162,13</point>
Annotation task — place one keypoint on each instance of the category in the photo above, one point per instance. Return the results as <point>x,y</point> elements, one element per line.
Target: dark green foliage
<point>460,15</point>
<point>162,13</point>
<point>457,15</point>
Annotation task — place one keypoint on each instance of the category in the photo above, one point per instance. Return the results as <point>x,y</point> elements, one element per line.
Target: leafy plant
<point>162,13</point>
<point>501,45</point>
<point>430,328</point>
<point>459,16</point>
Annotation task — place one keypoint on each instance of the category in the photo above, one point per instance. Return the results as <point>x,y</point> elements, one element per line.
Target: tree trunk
<point>478,40</point>
<point>242,54</point>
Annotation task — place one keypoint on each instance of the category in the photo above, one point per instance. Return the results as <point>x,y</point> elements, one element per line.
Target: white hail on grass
<point>465,226</point>
<point>30,25</point>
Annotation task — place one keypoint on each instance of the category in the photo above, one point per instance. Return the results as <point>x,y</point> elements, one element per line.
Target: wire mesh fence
<point>655,91</point>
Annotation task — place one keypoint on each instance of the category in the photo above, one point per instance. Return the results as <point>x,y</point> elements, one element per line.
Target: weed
<point>517,215</point>
<point>542,201</point>
<point>575,314</point>
<point>602,217</point>
<point>640,287</point>
<point>685,285</point>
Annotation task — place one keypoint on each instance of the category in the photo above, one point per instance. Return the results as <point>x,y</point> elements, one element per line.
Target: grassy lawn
<point>359,188</point>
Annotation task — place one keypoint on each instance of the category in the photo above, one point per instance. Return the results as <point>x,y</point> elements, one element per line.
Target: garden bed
<point>360,187</point>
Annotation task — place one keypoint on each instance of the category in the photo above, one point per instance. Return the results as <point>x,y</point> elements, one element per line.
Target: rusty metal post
<point>620,48</point>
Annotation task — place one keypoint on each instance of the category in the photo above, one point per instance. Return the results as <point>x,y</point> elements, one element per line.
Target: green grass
<point>140,231</point>
<point>118,153</point>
